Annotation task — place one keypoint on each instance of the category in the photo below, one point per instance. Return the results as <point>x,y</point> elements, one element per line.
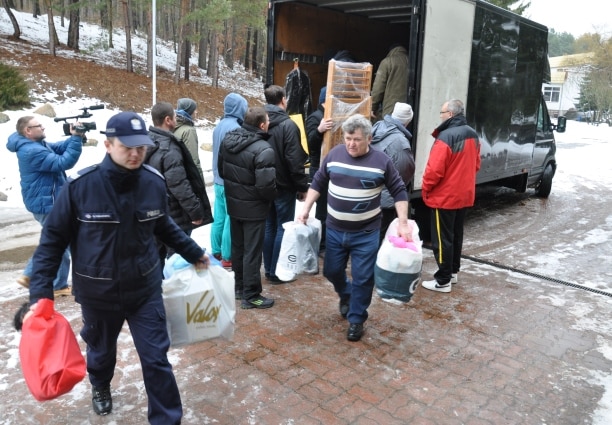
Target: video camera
<point>85,126</point>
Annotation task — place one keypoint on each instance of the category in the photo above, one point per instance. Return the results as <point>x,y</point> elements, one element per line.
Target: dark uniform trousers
<point>147,325</point>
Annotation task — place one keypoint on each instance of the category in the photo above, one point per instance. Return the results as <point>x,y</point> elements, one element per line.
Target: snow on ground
<point>93,42</point>
<point>585,164</point>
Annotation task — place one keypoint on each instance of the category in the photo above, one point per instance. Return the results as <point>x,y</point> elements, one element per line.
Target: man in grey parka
<point>391,136</point>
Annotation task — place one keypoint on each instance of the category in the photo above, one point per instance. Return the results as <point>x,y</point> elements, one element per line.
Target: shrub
<point>14,92</point>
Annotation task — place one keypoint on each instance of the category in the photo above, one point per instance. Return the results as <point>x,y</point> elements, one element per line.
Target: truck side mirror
<point>561,123</point>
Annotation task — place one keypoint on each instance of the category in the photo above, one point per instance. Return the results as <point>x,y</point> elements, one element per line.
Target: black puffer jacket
<point>315,139</point>
<point>246,165</point>
<point>285,139</point>
<point>187,198</point>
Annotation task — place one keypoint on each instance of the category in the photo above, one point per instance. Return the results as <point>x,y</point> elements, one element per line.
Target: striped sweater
<point>353,188</point>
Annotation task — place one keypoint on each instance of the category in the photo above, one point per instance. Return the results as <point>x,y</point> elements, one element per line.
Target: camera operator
<point>42,168</point>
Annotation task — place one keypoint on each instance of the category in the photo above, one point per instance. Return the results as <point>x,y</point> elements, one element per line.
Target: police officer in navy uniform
<point>111,215</point>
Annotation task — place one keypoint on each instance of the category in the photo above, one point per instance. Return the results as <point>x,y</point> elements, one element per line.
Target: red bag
<point>51,359</point>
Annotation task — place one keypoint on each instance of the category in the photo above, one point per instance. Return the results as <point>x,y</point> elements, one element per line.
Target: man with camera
<point>42,168</point>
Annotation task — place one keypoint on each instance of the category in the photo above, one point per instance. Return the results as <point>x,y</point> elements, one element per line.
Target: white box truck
<point>492,59</point>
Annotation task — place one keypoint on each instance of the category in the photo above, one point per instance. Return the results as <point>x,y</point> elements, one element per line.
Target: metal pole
<point>560,99</point>
<point>154,37</point>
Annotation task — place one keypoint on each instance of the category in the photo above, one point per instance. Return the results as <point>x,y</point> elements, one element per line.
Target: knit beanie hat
<point>402,112</point>
<point>322,95</point>
<point>187,105</point>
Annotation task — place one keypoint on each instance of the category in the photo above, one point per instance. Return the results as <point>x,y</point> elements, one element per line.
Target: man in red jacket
<point>449,187</point>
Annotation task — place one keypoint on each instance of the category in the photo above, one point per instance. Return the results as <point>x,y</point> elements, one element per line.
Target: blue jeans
<point>362,248</point>
<point>61,279</point>
<point>283,211</point>
<point>220,233</point>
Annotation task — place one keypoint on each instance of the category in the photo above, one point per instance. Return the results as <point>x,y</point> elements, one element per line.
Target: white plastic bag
<point>199,304</point>
<point>299,251</point>
<point>398,264</point>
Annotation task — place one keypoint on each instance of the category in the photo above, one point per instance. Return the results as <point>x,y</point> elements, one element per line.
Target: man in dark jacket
<point>393,138</point>
<point>291,178</point>
<point>246,165</point>
<point>449,188</point>
<point>316,127</point>
<point>188,202</point>
<point>111,215</point>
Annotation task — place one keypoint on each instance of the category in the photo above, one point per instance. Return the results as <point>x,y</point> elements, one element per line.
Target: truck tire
<point>545,185</point>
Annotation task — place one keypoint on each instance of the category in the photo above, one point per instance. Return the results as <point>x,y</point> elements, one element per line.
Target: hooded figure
<point>185,130</point>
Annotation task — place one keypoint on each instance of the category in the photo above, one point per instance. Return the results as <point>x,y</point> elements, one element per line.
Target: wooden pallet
<point>348,93</point>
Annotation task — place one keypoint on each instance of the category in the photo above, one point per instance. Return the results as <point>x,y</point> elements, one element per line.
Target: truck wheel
<point>545,185</point>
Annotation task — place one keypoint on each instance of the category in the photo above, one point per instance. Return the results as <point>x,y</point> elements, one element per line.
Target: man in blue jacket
<point>111,214</point>
<point>42,167</point>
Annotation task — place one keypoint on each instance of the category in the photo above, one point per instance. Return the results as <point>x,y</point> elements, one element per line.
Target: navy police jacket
<point>111,218</point>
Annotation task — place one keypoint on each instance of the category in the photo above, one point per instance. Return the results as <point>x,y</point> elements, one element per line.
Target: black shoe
<point>257,302</point>
<point>275,280</point>
<point>355,331</point>
<point>101,400</point>
<point>344,307</point>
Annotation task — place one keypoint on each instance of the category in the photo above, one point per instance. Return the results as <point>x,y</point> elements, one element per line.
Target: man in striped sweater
<point>353,175</point>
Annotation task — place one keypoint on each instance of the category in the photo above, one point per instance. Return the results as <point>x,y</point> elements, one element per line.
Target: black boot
<point>101,400</point>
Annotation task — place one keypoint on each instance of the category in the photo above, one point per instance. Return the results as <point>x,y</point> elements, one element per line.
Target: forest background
<point>234,31</point>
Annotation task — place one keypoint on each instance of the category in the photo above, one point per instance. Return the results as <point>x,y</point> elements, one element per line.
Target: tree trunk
<point>213,59</point>
<point>109,6</point>
<point>226,41</point>
<point>184,39</point>
<point>203,47</point>
<point>211,53</point>
<point>16,30</point>
<point>179,52</point>
<point>73,28</point>
<point>186,57</point>
<point>150,45</point>
<point>104,12</point>
<point>51,25</point>
<point>230,59</point>
<point>254,62</point>
<point>247,49</point>
<point>128,35</point>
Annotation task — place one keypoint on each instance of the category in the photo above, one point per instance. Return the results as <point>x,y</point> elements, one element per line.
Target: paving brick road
<point>501,348</point>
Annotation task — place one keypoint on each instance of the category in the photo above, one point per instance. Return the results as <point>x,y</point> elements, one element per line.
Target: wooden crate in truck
<point>348,93</point>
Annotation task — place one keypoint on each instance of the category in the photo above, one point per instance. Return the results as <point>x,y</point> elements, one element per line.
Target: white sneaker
<point>454,278</point>
<point>433,285</point>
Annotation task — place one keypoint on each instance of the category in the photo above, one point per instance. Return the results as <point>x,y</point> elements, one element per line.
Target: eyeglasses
<point>444,112</point>
<point>34,126</point>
